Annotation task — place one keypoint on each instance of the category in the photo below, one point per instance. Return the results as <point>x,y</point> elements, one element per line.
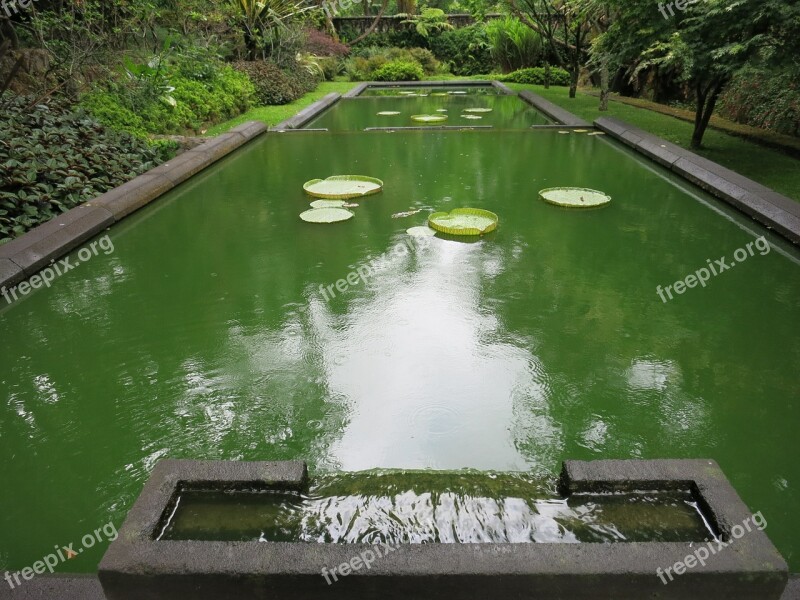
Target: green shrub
<point>423,56</point>
<point>53,158</point>
<point>181,103</point>
<point>535,75</point>
<point>763,99</point>
<point>399,70</point>
<point>465,51</point>
<point>274,85</point>
<point>332,66</point>
<point>513,45</point>
<point>367,60</point>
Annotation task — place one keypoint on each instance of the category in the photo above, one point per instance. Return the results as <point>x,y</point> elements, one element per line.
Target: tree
<point>703,45</point>
<point>565,26</point>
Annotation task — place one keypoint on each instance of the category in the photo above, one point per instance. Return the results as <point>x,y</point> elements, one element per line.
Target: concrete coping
<point>767,206</point>
<point>26,255</point>
<point>137,565</point>
<point>308,113</point>
<point>558,114</point>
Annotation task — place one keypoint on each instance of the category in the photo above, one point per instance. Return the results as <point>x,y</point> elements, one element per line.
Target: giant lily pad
<point>326,215</point>
<point>327,203</point>
<point>464,221</point>
<point>477,110</point>
<point>473,117</point>
<point>388,113</point>
<point>574,197</point>
<point>343,187</point>
<point>429,118</point>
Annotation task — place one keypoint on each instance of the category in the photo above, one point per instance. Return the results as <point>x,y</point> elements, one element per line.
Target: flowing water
<point>216,330</point>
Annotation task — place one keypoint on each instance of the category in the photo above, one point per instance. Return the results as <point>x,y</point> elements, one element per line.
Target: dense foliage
<point>275,85</point>
<point>764,99</point>
<point>466,51</point>
<point>53,159</point>
<point>171,98</point>
<point>365,63</point>
<point>536,76</point>
<point>399,70</point>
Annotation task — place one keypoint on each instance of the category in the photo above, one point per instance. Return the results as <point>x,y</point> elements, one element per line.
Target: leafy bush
<point>331,66</point>
<point>366,61</point>
<point>274,85</point>
<point>52,159</point>
<point>320,43</point>
<point>763,99</point>
<point>399,70</point>
<point>173,99</point>
<point>513,45</point>
<point>466,50</point>
<point>423,56</point>
<point>535,75</point>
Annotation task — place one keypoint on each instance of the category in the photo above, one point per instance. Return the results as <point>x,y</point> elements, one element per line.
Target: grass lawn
<point>272,115</point>
<point>765,165</point>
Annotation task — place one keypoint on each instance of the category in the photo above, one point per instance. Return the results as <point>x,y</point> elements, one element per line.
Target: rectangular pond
<point>221,326</point>
<point>497,111</point>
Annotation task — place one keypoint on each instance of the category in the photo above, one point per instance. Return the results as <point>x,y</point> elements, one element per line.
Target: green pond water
<point>356,114</point>
<point>210,333</point>
<point>436,90</point>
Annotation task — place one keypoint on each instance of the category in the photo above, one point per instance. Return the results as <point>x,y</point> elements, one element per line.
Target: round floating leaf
<point>464,221</point>
<point>441,110</point>
<point>421,231</point>
<point>457,93</point>
<point>429,118</point>
<point>574,197</point>
<point>327,203</point>
<point>327,215</point>
<point>596,133</point>
<point>473,117</point>
<point>580,130</point>
<point>388,113</point>
<point>407,93</point>
<point>563,132</point>
<point>343,187</point>
<point>477,110</point>
<point>439,94</point>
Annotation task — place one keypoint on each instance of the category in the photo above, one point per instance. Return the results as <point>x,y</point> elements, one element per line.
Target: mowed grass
<point>769,167</point>
<point>272,115</point>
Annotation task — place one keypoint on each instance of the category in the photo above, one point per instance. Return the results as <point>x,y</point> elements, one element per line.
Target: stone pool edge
<point>136,565</point>
<point>25,256</point>
<point>776,211</point>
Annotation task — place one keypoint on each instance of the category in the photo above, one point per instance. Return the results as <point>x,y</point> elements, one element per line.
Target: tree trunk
<point>603,83</point>
<point>547,74</point>
<point>374,24</point>
<point>706,102</point>
<point>573,80</point>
